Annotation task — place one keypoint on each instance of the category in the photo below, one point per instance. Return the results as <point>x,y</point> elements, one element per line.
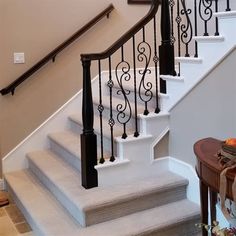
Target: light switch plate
<point>19,57</point>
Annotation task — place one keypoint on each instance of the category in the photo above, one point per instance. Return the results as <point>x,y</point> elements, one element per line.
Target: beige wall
<point>35,28</point>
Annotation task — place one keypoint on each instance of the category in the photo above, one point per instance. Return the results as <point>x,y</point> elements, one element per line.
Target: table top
<point>208,166</point>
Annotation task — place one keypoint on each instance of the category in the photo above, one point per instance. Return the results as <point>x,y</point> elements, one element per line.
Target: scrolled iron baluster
<point>205,13</point>
<point>144,55</point>
<point>186,29</point>
<point>124,110</point>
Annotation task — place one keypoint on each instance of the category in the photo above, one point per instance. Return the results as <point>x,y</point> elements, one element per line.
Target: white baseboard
<point>1,184</point>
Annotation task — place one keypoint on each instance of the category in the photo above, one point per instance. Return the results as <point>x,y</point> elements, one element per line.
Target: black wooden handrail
<point>123,39</point>
<point>52,55</point>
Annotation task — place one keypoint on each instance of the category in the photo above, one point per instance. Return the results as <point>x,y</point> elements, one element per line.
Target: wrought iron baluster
<point>100,110</point>
<point>186,29</point>
<point>228,6</point>
<point>156,59</point>
<point>124,110</point>
<point>111,121</point>
<point>136,133</point>
<point>205,13</point>
<point>195,27</point>
<point>178,20</point>
<point>144,55</point>
<point>216,20</point>
<point>144,35</point>
<point>172,4</point>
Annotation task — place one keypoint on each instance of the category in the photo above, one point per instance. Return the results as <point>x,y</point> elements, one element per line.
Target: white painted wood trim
<point>187,171</point>
<point>227,14</point>
<point>194,60</point>
<point>209,39</point>
<point>171,77</point>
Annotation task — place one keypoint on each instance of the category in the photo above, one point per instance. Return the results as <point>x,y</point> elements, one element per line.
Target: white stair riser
<point>154,126</point>
<point>66,155</point>
<point>106,139</point>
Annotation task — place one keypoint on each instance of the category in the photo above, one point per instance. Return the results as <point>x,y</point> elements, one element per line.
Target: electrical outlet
<point>19,57</point>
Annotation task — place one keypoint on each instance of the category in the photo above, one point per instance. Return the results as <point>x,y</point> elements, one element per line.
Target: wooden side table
<point>208,169</point>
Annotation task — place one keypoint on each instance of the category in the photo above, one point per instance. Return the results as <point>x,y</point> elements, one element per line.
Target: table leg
<point>213,200</point>
<point>204,205</point>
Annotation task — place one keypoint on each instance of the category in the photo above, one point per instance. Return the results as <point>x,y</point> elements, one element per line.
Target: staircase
<point>138,194</point>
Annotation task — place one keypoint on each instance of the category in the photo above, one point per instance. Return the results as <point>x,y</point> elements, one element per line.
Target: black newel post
<point>166,50</point>
<point>88,138</point>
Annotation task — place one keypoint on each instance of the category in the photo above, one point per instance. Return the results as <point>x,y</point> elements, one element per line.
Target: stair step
<point>48,217</point>
<point>104,203</point>
<point>43,212</point>
<point>178,219</point>
<point>67,145</point>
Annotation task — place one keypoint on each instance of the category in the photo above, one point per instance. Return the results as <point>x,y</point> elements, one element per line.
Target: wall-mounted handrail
<point>52,55</point>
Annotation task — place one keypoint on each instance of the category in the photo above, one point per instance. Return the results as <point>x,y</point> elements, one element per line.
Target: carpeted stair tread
<point>176,219</point>
<point>100,204</point>
<point>44,212</point>
<point>68,140</point>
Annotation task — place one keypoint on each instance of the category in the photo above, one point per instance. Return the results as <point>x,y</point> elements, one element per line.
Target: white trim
<point>107,163</point>
<point>172,77</point>
<point>201,78</point>
<point>209,39</point>
<point>194,60</point>
<point>227,14</point>
<point>187,171</point>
